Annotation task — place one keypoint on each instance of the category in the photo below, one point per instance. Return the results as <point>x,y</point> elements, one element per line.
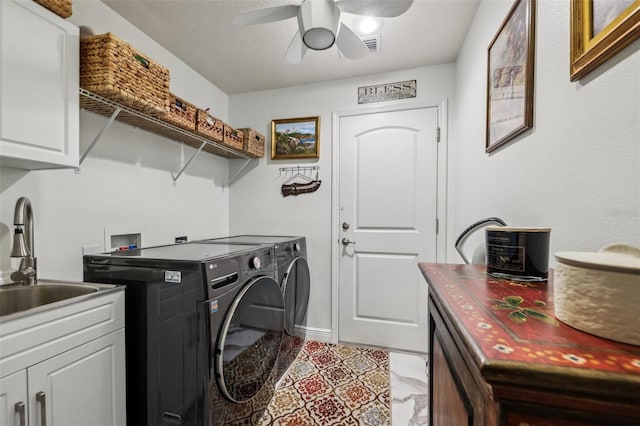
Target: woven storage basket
<point>253,143</point>
<point>599,292</point>
<point>63,8</point>
<point>209,126</point>
<point>112,68</point>
<point>181,113</point>
<point>233,138</point>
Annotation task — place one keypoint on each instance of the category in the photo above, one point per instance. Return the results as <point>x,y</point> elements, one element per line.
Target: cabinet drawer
<point>31,339</point>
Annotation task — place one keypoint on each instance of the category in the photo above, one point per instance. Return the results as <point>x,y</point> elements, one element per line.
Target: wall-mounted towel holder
<point>300,182</point>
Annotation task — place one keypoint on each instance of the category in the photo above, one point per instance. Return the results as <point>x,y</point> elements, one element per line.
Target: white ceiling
<point>240,59</point>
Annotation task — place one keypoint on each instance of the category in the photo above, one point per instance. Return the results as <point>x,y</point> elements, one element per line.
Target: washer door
<point>296,285</point>
<point>250,339</point>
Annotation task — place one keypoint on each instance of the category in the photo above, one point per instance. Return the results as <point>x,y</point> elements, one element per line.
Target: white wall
<point>125,184</point>
<point>256,203</point>
<point>578,170</point>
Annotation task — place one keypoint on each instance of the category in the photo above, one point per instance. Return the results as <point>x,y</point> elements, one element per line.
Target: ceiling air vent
<point>372,42</point>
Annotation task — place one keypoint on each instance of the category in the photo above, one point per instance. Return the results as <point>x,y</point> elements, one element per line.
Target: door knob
<point>346,241</point>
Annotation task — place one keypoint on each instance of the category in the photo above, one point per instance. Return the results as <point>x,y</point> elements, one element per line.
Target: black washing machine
<point>245,309</point>
<point>293,275</point>
<point>194,320</point>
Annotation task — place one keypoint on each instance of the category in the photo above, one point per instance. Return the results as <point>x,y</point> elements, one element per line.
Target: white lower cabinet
<point>13,399</point>
<point>71,366</point>
<point>80,387</point>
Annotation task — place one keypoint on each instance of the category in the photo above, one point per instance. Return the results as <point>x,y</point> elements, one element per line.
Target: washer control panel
<point>257,261</point>
<point>287,250</point>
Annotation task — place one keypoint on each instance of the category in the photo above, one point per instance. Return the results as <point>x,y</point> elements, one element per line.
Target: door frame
<point>441,189</point>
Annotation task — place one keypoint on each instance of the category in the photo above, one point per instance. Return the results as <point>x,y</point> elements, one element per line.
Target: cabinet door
<point>84,386</point>
<point>13,399</point>
<point>39,67</point>
<point>449,405</point>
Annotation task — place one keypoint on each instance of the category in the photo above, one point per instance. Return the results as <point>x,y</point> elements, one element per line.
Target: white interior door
<point>388,190</point>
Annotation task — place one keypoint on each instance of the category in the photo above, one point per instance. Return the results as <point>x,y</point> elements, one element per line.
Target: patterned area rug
<point>333,385</point>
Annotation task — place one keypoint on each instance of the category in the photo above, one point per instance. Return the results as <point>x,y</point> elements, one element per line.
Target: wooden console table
<point>498,356</point>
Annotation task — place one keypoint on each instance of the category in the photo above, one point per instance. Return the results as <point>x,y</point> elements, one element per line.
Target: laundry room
<point>363,219</point>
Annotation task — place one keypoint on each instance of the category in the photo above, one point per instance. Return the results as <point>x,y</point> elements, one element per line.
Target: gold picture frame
<point>599,30</point>
<point>293,138</point>
<point>510,67</point>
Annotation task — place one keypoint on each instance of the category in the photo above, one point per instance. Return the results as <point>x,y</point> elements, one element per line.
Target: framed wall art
<point>295,138</point>
<point>510,76</point>
<point>599,30</point>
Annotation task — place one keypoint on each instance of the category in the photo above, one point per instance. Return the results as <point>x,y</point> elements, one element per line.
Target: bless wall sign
<point>387,92</point>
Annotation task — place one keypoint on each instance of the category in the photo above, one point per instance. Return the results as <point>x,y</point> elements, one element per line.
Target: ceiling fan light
<point>318,38</point>
<point>368,25</point>
<point>319,21</point>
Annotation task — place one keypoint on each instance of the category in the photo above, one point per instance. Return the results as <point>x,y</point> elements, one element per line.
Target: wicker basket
<point>63,8</point>
<point>233,138</point>
<point>253,143</point>
<point>209,126</point>
<point>181,113</point>
<point>112,68</point>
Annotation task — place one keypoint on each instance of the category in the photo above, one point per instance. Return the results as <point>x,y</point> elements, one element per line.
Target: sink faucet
<point>27,273</point>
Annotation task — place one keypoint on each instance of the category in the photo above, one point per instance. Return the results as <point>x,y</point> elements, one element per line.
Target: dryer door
<point>250,339</point>
<point>296,285</point>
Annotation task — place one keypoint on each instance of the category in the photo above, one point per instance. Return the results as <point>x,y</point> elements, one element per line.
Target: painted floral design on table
<point>507,321</point>
<point>519,313</point>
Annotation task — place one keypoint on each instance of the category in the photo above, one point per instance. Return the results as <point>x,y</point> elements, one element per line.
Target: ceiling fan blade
<point>350,44</point>
<point>266,15</point>
<point>376,8</point>
<point>296,49</point>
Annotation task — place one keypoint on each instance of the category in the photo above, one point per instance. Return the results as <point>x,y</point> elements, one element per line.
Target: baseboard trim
<point>319,334</point>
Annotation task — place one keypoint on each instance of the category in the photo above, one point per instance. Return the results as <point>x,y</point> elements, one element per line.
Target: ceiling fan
<point>319,25</point>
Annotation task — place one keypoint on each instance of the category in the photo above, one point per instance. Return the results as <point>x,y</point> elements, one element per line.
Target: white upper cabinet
<point>39,67</point>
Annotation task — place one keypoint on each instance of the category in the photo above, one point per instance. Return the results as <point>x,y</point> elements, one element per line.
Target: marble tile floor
<point>409,389</point>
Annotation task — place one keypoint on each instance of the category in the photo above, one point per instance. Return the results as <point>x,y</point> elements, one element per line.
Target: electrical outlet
<point>182,239</point>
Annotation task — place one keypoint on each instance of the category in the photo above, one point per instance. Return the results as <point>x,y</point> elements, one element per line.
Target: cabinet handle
<point>41,397</point>
<point>172,418</point>
<point>19,407</point>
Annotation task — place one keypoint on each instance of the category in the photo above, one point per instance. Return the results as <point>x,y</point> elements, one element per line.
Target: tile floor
<point>409,389</point>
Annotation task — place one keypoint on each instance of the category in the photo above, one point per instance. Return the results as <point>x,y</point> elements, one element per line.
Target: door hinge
<point>437,225</point>
<point>438,134</point>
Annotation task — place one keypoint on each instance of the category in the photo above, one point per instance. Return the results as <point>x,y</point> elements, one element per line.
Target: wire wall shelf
<point>115,111</point>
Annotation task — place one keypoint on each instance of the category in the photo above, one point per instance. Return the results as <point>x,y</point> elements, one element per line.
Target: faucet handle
<point>27,276</point>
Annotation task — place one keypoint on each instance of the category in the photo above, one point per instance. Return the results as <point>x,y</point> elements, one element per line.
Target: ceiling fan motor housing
<point>319,21</point>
